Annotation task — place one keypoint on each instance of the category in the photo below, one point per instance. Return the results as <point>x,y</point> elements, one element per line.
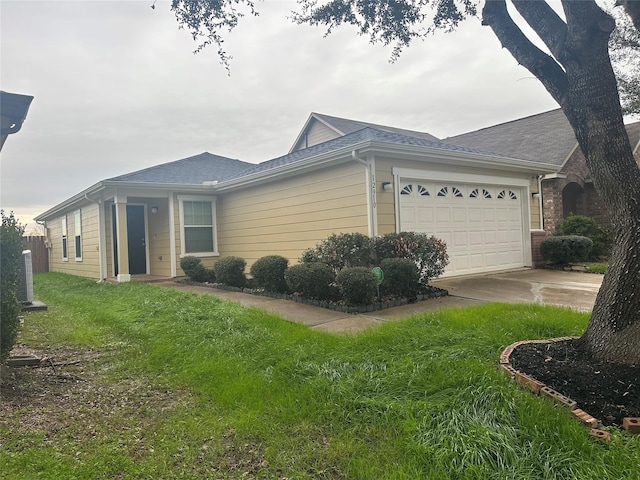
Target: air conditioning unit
<point>25,284</point>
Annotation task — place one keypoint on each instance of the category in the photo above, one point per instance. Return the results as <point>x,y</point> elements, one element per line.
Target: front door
<point>137,242</point>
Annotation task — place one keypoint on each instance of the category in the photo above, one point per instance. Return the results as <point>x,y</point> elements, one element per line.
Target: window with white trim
<point>198,218</point>
<point>65,244</point>
<point>77,231</point>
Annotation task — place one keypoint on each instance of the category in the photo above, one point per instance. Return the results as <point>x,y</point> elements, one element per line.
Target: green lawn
<point>175,385</point>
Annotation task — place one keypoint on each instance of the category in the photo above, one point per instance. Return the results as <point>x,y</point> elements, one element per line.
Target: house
<point>548,137</point>
<point>339,176</point>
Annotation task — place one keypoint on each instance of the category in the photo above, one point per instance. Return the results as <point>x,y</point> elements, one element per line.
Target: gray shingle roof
<point>346,126</point>
<point>546,138</point>
<point>351,140</point>
<point>195,170</point>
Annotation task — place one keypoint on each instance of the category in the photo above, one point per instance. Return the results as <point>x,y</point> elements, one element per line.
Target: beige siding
<point>534,206</point>
<point>159,244</point>
<point>317,132</point>
<point>385,200</point>
<point>288,216</point>
<point>89,266</point>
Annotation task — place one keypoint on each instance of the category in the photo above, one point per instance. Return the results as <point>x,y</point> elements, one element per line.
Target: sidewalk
<point>544,287</point>
<point>323,318</point>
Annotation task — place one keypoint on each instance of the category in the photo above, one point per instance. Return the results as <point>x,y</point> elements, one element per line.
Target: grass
<point>188,386</point>
<point>596,267</point>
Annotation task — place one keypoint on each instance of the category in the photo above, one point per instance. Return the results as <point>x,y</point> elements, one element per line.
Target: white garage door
<point>481,224</point>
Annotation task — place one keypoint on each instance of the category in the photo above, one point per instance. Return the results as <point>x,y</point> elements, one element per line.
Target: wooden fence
<point>39,253</point>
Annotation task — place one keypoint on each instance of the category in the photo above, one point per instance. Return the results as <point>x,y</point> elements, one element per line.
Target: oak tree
<point>576,70</point>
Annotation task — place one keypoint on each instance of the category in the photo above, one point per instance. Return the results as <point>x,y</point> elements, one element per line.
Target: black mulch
<point>606,391</point>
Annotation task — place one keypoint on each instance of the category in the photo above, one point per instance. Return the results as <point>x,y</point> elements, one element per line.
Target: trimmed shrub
<point>230,271</point>
<point>312,280</point>
<point>427,252</point>
<point>268,273</point>
<point>10,257</point>
<point>358,285</point>
<point>401,277</point>
<point>587,227</point>
<point>564,250</point>
<point>342,250</point>
<point>196,271</point>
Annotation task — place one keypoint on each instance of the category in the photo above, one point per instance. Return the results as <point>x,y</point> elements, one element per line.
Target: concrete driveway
<point>547,287</point>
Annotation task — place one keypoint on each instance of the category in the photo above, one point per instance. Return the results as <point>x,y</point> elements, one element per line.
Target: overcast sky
<point>117,88</point>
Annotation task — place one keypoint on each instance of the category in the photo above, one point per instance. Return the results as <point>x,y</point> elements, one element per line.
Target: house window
<point>65,246</point>
<point>78,235</point>
<point>198,226</point>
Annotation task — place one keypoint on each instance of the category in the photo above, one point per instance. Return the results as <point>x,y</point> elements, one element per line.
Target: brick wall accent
<point>537,236</point>
<point>588,203</point>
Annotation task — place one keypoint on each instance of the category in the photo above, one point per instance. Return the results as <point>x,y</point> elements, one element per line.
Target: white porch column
<point>122,239</point>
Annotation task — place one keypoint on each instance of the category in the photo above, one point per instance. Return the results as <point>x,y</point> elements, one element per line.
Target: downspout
<point>540,202</point>
<point>102,241</point>
<point>371,192</point>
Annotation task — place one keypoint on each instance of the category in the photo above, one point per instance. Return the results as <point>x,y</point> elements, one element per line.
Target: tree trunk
<point>588,95</point>
<point>592,106</point>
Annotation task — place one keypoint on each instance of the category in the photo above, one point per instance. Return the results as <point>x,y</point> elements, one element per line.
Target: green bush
<point>342,250</point>
<point>312,280</point>
<point>427,252</point>
<point>268,273</point>
<point>401,277</point>
<point>358,285</point>
<point>10,257</point>
<point>587,227</point>
<point>196,271</point>
<point>230,271</point>
<point>564,250</point>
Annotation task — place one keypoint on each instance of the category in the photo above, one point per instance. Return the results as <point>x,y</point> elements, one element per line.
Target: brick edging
<point>539,388</point>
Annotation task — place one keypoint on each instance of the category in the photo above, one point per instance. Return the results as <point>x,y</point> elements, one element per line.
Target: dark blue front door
<point>137,242</point>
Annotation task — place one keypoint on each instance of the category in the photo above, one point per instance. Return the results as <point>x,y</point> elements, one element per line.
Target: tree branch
<point>545,22</point>
<point>632,7</point>
<point>543,66</point>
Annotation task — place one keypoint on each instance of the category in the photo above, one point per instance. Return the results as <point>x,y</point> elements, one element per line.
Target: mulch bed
<point>607,391</point>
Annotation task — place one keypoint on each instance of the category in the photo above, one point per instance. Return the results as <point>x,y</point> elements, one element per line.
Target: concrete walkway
<point>574,289</point>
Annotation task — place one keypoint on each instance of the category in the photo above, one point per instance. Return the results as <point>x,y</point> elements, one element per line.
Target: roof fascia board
<point>137,189</point>
<point>461,158</point>
<point>412,152</point>
<point>160,186</point>
<point>71,202</point>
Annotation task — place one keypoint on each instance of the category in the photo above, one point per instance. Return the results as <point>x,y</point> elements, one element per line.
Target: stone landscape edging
<point>632,425</point>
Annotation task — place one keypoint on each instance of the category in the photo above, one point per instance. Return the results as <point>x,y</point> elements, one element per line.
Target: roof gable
<point>195,170</point>
<point>328,128</point>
